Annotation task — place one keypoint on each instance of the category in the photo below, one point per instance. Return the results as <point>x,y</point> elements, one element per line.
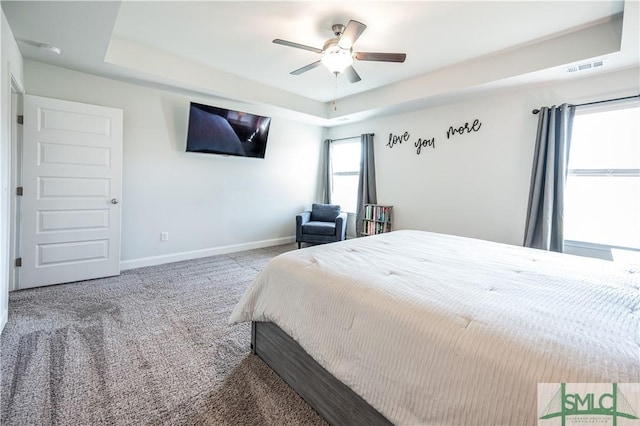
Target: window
<point>345,173</point>
<point>602,195</point>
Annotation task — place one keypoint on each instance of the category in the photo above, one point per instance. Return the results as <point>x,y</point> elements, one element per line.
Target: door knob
<point>114,201</point>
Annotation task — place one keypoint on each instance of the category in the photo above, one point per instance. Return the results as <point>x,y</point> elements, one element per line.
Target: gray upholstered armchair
<point>322,224</point>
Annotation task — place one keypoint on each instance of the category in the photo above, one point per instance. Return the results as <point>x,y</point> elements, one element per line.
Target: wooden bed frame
<point>332,399</point>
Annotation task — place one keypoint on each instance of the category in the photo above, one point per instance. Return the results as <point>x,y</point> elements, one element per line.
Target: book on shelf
<point>377,213</point>
<point>377,219</point>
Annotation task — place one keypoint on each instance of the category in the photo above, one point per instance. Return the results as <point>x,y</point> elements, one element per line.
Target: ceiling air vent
<point>586,66</point>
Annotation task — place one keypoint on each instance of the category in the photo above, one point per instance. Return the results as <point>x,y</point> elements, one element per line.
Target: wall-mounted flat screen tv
<point>215,130</point>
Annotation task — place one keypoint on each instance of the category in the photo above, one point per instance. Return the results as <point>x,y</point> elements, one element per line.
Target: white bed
<point>437,329</point>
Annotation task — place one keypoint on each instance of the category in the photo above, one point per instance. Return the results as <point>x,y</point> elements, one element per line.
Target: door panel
<point>66,220</point>
<point>72,166</point>
<point>72,252</point>
<point>51,153</point>
<point>73,188</point>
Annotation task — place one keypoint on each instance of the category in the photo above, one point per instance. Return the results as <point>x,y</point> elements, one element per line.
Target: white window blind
<point>602,196</point>
<point>345,173</point>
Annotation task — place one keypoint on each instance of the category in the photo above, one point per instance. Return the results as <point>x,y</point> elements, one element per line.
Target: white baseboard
<point>196,254</point>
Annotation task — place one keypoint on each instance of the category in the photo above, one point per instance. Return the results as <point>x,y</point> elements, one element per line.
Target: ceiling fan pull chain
<point>335,94</point>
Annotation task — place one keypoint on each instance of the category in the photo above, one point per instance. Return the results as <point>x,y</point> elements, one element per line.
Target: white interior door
<point>72,180</point>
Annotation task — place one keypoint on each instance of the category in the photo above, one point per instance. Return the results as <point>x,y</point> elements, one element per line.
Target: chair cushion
<point>319,228</point>
<point>324,212</point>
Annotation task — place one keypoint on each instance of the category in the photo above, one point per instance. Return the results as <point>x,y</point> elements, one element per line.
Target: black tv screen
<point>221,131</point>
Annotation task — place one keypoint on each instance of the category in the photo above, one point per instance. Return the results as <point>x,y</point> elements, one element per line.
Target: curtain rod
<point>350,137</point>
<point>535,111</point>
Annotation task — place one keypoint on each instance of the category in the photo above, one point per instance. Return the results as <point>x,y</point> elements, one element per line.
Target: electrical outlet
<point>164,236</point>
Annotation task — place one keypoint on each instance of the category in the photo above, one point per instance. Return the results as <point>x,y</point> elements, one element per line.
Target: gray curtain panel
<point>326,173</point>
<point>544,228</point>
<point>367,183</point>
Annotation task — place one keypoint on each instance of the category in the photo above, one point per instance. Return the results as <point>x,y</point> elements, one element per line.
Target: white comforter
<point>437,329</point>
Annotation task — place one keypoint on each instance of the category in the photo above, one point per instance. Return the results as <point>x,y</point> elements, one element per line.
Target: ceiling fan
<point>338,54</point>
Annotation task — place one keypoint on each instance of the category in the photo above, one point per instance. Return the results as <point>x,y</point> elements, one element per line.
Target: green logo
<point>564,404</point>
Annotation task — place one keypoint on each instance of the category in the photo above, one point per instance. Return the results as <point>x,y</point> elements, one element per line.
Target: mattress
<point>438,329</point>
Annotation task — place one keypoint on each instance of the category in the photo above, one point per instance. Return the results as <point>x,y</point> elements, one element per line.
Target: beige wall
<point>475,184</point>
<point>207,203</point>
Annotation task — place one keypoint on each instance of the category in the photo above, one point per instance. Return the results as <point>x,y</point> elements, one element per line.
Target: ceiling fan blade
<point>297,45</point>
<point>381,57</point>
<point>351,33</point>
<point>306,68</point>
<point>352,75</point>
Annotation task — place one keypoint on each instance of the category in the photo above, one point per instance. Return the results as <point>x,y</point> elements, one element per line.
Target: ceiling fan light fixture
<point>337,52</point>
<point>336,59</point>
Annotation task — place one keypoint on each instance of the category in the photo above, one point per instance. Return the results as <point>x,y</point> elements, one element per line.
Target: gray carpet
<point>149,347</point>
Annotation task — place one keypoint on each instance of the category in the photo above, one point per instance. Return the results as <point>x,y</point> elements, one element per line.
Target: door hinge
<point>18,262</point>
<point>21,119</point>
<point>19,191</point>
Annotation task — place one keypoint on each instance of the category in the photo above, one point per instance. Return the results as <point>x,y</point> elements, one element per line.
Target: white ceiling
<point>225,48</point>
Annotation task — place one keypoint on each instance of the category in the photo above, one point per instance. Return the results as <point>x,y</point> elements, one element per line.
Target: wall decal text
<point>462,129</point>
<point>394,139</point>
<point>420,143</point>
<point>398,138</point>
